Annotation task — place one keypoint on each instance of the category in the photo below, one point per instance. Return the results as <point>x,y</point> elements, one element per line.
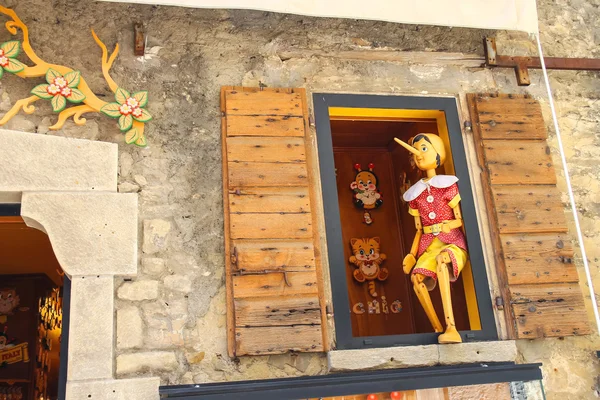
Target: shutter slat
<point>274,284</point>
<point>545,258</point>
<point>291,255</point>
<point>533,253</point>
<point>270,200</point>
<point>275,299</point>
<point>264,102</point>
<point>271,226</point>
<point>264,311</point>
<point>519,162</point>
<point>260,149</point>
<point>549,310</point>
<point>510,118</point>
<point>246,174</point>
<point>265,125</point>
<point>522,209</point>
<point>280,339</point>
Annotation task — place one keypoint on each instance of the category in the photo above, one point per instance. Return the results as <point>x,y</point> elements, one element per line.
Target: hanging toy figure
<point>439,250</point>
<point>368,258</point>
<point>366,194</point>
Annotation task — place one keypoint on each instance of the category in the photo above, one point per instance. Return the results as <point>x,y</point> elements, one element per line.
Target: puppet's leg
<point>425,300</point>
<point>451,335</point>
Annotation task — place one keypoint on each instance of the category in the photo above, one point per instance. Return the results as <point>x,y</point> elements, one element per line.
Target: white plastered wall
<point>68,189</point>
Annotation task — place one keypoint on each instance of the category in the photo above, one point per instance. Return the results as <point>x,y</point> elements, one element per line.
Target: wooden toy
<point>439,250</point>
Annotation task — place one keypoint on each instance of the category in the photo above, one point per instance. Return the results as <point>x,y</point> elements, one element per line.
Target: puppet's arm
<point>410,260</point>
<point>458,221</point>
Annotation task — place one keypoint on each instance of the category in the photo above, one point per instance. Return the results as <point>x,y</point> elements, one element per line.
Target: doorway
<point>33,291</point>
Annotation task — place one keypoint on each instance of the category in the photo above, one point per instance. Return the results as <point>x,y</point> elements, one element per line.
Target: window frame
<point>335,247</point>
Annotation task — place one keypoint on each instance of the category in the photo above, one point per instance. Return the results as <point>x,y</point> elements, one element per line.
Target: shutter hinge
<point>234,257</point>
<point>468,126</point>
<point>311,120</point>
<point>499,303</point>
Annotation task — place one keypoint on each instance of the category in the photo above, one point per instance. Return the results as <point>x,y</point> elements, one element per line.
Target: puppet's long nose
<point>408,147</point>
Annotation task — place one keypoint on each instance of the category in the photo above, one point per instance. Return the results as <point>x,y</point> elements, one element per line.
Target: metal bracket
<point>521,64</point>
<point>139,45</point>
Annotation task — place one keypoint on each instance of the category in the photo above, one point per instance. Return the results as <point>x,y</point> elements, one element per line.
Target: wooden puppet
<point>368,258</point>
<point>439,250</point>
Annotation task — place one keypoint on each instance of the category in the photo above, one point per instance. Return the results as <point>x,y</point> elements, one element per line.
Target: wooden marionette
<point>439,250</point>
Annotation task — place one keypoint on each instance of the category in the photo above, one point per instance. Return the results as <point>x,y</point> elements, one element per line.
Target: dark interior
<point>31,332</point>
<point>369,141</point>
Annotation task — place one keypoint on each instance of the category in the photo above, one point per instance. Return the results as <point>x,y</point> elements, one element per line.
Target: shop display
<point>30,339</point>
<point>9,301</point>
<point>439,250</point>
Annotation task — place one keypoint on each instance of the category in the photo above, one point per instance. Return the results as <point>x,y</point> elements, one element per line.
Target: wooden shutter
<point>275,300</point>
<point>534,254</point>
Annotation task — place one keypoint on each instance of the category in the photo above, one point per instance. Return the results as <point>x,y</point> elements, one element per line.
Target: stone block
<point>164,339</point>
<point>178,283</point>
<point>478,352</point>
<point>153,266</point>
<point>140,180</point>
<point>125,164</point>
<point>91,333</point>
<point>146,361</point>
<point>111,389</point>
<point>128,187</point>
<point>156,235</point>
<point>61,164</point>
<point>383,358</point>
<point>195,358</point>
<point>91,233</point>
<point>130,328</point>
<point>138,290</point>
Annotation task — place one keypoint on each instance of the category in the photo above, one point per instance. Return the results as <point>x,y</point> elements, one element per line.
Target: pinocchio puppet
<point>439,251</point>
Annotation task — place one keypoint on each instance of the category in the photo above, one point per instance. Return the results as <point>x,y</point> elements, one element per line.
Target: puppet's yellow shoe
<point>450,336</point>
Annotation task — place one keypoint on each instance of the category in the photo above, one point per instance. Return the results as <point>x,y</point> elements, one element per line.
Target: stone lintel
<point>91,328</point>
<point>32,161</point>
<point>112,389</point>
<point>422,356</point>
<point>91,233</point>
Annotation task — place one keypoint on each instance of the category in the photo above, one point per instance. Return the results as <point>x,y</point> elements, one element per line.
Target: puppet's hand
<point>408,263</point>
<point>352,260</point>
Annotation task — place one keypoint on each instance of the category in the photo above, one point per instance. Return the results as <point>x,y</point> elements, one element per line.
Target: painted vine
<point>65,87</point>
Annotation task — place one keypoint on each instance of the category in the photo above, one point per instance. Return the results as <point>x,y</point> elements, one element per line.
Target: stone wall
<point>170,318</point>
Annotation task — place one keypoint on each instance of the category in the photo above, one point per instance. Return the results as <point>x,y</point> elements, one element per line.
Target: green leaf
<point>58,103</point>
<point>11,49</point>
<point>72,78</point>
<point>1,72</point>
<point>125,122</point>
<point>142,97</point>
<point>132,136</point>
<point>14,66</point>
<point>111,109</point>
<point>145,117</point>
<point>121,95</point>
<point>41,91</point>
<point>76,96</point>
<point>141,142</point>
<point>51,74</point>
